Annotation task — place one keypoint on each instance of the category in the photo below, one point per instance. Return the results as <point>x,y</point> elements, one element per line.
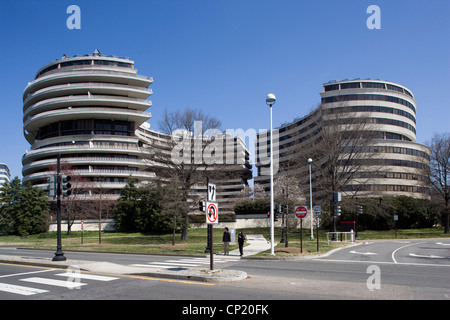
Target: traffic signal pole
<point>59,254</point>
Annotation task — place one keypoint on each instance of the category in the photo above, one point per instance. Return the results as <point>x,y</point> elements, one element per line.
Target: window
<point>376,97</point>
<point>350,85</point>
<point>332,87</point>
<point>395,88</point>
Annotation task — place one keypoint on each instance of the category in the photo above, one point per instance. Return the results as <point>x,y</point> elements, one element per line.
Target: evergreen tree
<point>141,209</point>
<point>24,209</point>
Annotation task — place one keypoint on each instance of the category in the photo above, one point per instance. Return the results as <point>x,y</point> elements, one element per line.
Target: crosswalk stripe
<point>194,263</point>
<point>24,273</point>
<point>52,282</point>
<point>205,260</point>
<point>177,264</point>
<point>25,291</point>
<point>186,262</point>
<point>152,266</point>
<point>86,276</point>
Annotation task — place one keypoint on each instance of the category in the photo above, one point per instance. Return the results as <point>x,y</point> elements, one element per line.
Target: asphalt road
<point>412,269</point>
<point>404,269</point>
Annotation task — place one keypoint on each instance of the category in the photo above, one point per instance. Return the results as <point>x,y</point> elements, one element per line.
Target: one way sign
<point>211,192</point>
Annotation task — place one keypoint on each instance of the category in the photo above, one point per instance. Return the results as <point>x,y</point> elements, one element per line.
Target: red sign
<point>212,213</point>
<point>301,212</point>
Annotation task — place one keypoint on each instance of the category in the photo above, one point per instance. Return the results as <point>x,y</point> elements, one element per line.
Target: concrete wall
<point>242,222</point>
<point>89,225</point>
<point>257,221</point>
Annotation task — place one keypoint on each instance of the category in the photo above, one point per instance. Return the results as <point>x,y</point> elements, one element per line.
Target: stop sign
<point>300,212</point>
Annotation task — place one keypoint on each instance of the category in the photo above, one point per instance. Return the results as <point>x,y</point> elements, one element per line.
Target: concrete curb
<point>308,257</point>
<point>256,244</point>
<point>191,274</point>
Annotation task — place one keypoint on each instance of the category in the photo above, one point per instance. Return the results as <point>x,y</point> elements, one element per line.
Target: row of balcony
<point>87,76</point>
<point>83,88</point>
<point>93,173</point>
<point>73,102</point>
<point>32,124</point>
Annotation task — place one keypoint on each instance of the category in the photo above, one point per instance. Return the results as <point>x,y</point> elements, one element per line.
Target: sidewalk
<point>256,243</point>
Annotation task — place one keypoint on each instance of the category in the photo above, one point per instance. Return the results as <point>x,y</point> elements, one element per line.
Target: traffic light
<point>51,186</point>
<point>201,206</point>
<point>359,209</point>
<point>338,210</point>
<point>277,208</point>
<point>275,215</point>
<point>66,186</point>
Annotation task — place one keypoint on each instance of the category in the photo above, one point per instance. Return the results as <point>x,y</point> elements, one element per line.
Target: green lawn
<point>196,243</point>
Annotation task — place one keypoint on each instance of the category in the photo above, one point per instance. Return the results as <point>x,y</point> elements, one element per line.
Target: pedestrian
<point>241,239</point>
<point>226,241</point>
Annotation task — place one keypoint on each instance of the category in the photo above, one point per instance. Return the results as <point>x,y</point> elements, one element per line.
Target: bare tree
<point>74,206</point>
<point>342,148</point>
<point>440,172</point>
<point>183,158</point>
<point>251,193</point>
<point>185,120</point>
<point>288,193</point>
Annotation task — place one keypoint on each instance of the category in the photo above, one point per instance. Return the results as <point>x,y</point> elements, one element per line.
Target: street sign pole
<point>212,217</point>
<point>317,213</point>
<point>211,252</point>
<point>301,212</point>
<point>208,229</point>
<point>301,235</point>
<point>317,230</point>
<point>82,231</point>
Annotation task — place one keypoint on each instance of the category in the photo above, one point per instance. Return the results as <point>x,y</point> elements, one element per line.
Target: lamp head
<point>270,99</point>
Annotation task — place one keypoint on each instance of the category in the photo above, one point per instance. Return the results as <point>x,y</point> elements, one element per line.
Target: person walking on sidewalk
<point>226,241</point>
<point>241,239</point>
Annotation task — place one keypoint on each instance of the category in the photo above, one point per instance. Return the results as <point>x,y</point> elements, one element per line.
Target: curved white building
<point>86,108</point>
<point>5,174</point>
<point>392,164</point>
<point>91,109</point>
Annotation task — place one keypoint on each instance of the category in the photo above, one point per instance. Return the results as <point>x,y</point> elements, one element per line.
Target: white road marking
<point>86,276</point>
<point>408,245</point>
<point>24,273</point>
<point>154,266</point>
<point>386,262</point>
<point>52,282</point>
<point>364,253</point>
<point>422,256</point>
<point>177,264</point>
<point>25,291</point>
<point>186,262</point>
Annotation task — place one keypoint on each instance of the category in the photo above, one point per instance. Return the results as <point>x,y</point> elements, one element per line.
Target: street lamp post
<point>310,199</point>
<point>270,100</point>
<point>59,254</point>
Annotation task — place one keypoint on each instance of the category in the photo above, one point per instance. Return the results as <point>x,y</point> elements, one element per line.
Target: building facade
<point>225,161</point>
<point>86,108</point>
<point>92,110</point>
<point>384,116</point>
<point>5,174</point>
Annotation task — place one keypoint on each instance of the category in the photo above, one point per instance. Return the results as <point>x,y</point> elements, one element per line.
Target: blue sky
<point>224,56</point>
